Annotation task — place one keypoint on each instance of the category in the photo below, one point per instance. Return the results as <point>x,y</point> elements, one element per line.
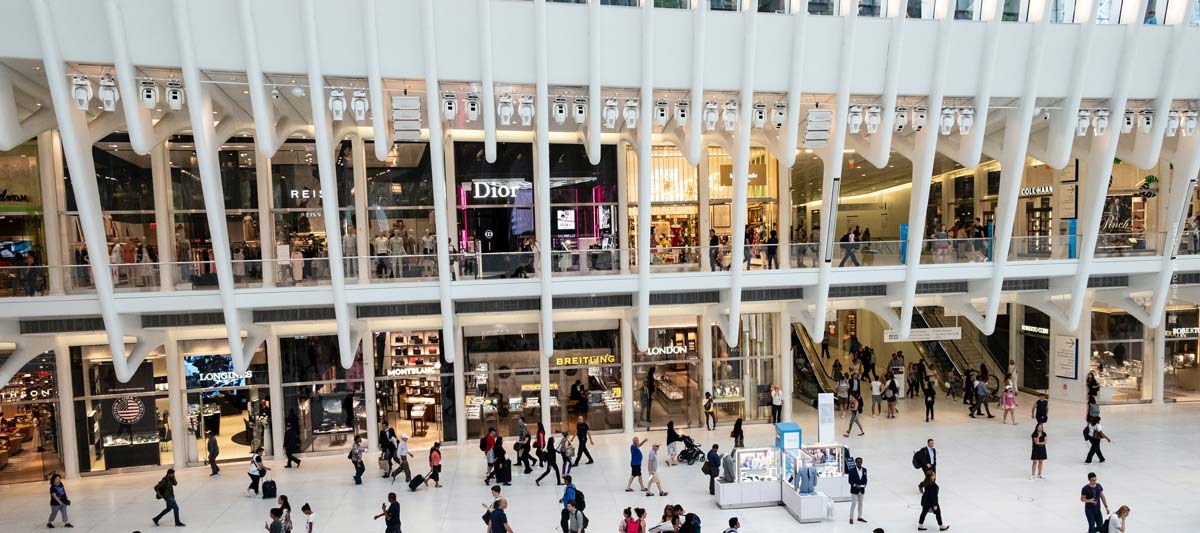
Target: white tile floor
<point>984,474</point>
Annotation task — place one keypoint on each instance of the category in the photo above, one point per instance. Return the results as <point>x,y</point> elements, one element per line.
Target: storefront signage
<point>1066,200</point>
<point>924,334</point>
<point>222,376</point>
<point>410,371</point>
<point>584,360</point>
<point>15,198</point>
<point>128,410</point>
<point>1037,191</point>
<point>305,194</point>
<point>1035,329</point>
<point>483,190</point>
<point>1066,357</point>
<point>667,350</point>
<point>1183,332</point>
<point>755,175</point>
<point>27,395</point>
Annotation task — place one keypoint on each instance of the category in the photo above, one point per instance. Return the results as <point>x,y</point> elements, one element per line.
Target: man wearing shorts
<point>652,469</point>
<point>635,465</point>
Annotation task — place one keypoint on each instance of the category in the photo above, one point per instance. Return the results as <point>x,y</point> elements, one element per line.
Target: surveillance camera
<point>81,92</point>
<point>1082,123</point>
<point>175,95</point>
<point>1127,121</point>
<point>611,114</point>
<point>681,112</point>
<point>525,110</point>
<point>450,106</point>
<point>109,96</point>
<point>854,118</point>
<point>901,118</point>
<point>1147,120</point>
<point>472,107</point>
<point>149,93</point>
<point>276,94</point>
<point>1189,122</point>
<point>729,115</point>
<point>559,110</point>
<point>337,103</point>
<point>1099,122</point>
<point>872,119</point>
<point>779,115</point>
<point>946,122</point>
<point>919,118</point>
<point>710,116</point>
<point>1172,122</point>
<point>579,110</point>
<point>966,119</point>
<point>359,105</point>
<point>662,112</point>
<point>759,118</point>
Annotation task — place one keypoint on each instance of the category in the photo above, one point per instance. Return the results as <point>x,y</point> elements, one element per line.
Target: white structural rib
<point>487,81</point>
<point>1017,126</point>
<point>791,126</point>
<point>644,173</point>
<point>380,118</point>
<point>1146,147</point>
<point>877,149</point>
<point>1099,167</point>
<point>971,147</point>
<point>1064,116</point>
<point>544,249</point>
<point>72,125</point>
<point>741,169</point>
<point>199,103</point>
<point>438,171</point>
<point>13,130</point>
<point>137,117</point>
<point>592,138</point>
<point>695,139</point>
<point>268,136</point>
<point>922,169</point>
<point>329,191</point>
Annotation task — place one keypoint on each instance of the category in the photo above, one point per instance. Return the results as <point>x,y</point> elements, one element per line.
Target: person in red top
<point>489,449</point>
<point>539,443</point>
<point>435,465</point>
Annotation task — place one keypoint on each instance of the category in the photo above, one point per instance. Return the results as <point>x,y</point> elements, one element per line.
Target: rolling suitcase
<point>416,482</point>
<point>505,475</point>
<point>269,490</point>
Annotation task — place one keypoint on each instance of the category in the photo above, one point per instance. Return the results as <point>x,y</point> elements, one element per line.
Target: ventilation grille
<point>855,291</point>
<point>1099,282</point>
<point>62,325</point>
<point>182,319</point>
<point>1186,278</point>
<point>684,298</point>
<point>766,295</point>
<point>589,302</point>
<point>498,306</point>
<point>1035,284</point>
<point>941,287</point>
<point>298,314</point>
<point>412,309</point>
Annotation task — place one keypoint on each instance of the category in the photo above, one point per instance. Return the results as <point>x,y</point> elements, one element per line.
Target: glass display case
<point>829,461</point>
<point>756,464</point>
<point>800,495</point>
<point>757,479</point>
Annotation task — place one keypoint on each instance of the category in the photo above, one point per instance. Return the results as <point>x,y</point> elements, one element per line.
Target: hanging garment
<point>297,265</point>
<point>239,264</point>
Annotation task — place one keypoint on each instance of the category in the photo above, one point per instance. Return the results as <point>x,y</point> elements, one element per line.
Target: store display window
<point>301,242</point>
<point>1035,347</point>
<point>30,449</point>
<point>1182,379</point>
<point>495,204</point>
<point>502,378</point>
<point>1118,341</point>
<point>1129,223</point>
<point>674,211</point>
<point>400,213</point>
<point>667,377</point>
<point>321,399</point>
<point>120,424</point>
<point>762,204</point>
<point>743,376</point>
<point>583,201</point>
<point>234,407</point>
<point>587,364</point>
<point>415,385</point>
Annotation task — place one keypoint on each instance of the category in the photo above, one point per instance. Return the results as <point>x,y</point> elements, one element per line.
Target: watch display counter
<point>757,479</point>
<point>126,450</point>
<point>830,463</point>
<point>800,495</point>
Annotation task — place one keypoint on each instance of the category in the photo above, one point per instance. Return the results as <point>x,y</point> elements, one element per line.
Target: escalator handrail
<point>985,350</point>
<point>958,365</point>
<point>824,380</point>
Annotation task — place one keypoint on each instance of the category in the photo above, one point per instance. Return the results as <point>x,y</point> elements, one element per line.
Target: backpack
<point>1104,526</point>
<point>917,460</point>
<point>158,490</point>
<point>580,503</point>
<point>483,443</point>
<point>1087,435</point>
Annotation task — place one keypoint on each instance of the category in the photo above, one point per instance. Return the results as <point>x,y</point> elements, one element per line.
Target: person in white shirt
<point>310,519</point>
<point>776,405</point>
<point>876,402</point>
<point>652,469</point>
<point>1116,521</point>
<point>402,454</point>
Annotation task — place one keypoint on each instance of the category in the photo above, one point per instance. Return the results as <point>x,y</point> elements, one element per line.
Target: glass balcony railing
<point>804,255</point>
<point>1036,248</point>
<point>671,258</point>
<point>1129,244</point>
<point>940,251</point>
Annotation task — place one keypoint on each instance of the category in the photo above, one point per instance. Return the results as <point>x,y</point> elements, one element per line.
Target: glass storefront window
<point>120,425</point>
<point>674,211</point>
<point>400,213</point>
<point>322,400</point>
<point>1117,348</point>
<point>1035,338</point>
<point>666,378</point>
<point>234,407</point>
<point>415,386</point>
<point>22,234</point>
<point>587,364</point>
<point>495,210</point>
<point>30,449</point>
<point>1182,376</point>
<point>743,376</point>
<point>502,379</point>
<point>584,199</point>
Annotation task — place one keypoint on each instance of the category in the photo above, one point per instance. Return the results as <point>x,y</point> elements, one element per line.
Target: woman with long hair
<point>58,501</point>
<point>539,444</point>
<point>739,437</point>
<point>435,465</point>
<point>285,510</point>
<point>1038,456</point>
<point>929,502</point>
<point>551,463</point>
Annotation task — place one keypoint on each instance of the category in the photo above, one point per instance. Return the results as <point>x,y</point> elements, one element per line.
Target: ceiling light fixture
<point>729,115</point>
<point>505,109</point>
<point>946,122</point>
<point>611,113</point>
<point>711,116</point>
<point>525,110</point>
<point>1099,122</point>
<point>175,95</point>
<point>901,119</point>
<point>360,105</point>
<point>1147,120</point>
<point>779,115</point>
<point>337,103</point>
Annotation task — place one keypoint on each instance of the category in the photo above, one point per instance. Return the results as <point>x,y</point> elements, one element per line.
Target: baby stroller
<point>691,451</point>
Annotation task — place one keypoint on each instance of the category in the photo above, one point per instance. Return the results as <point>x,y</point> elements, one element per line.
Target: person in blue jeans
<point>714,468</point>
<point>1092,495</point>
<point>567,498</point>
<point>165,489</point>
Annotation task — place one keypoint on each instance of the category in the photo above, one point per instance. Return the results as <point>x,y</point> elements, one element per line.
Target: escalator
<point>967,353</point>
<point>810,376</point>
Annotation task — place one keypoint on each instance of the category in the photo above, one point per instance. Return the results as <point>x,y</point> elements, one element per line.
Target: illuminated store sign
<point>1035,329</point>
<point>482,190</point>
<point>667,350</point>
<point>304,194</point>
<point>584,360</point>
<point>1037,191</point>
<point>411,371</point>
<point>26,395</point>
<point>1183,332</point>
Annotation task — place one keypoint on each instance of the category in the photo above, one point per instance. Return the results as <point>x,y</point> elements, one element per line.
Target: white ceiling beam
<point>137,116</point>
<point>487,81</point>
<point>644,145</point>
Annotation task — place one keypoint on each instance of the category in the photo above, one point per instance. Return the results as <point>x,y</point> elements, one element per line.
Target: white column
<point>175,398</point>
<point>460,386</point>
<point>621,217</point>
<point>1155,368</point>
<point>627,387</point>
<point>53,245</point>
<point>783,332</point>
<point>545,337</point>
<point>784,193</point>
<point>362,222</point>
<point>704,337</point>
<point>275,371</point>
<point>69,447</point>
<point>160,170</point>
<point>66,249</point>
<point>370,396</point>
<point>266,221</point>
<point>704,193</point>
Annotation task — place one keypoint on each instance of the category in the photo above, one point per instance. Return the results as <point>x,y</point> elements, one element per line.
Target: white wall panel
<point>400,39</point>
<point>457,39</point>
<point>673,44</point>
<point>567,28</point>
<point>340,26</point>
<point>916,66</point>
<point>512,24</point>
<point>967,41</point>
<point>872,39</point>
<point>1011,52</point>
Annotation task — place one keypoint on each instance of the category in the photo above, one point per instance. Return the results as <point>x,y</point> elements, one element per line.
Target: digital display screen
<point>564,220</point>
<point>211,372</point>
<point>11,249</point>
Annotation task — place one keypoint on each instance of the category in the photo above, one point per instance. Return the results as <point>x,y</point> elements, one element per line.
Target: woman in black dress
<point>737,434</point>
<point>929,502</point>
<point>1039,451</point>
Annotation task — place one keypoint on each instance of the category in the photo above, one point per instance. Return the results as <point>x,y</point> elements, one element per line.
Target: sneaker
<point>68,524</point>
<point>180,524</point>
<point>49,525</point>
<point>943,528</point>
<point>155,520</point>
<point>861,520</point>
<point>1041,476</point>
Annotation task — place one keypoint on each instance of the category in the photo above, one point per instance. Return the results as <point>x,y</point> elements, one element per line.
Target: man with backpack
<point>165,491</point>
<point>688,522</point>
<point>571,499</point>
<point>1093,433</point>
<point>487,444</point>
<point>926,459</point>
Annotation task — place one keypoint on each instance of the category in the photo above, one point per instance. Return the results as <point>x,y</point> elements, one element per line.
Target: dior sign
<point>483,190</point>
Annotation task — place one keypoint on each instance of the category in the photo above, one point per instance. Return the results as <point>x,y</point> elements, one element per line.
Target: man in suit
<point>929,459</point>
<point>858,486</point>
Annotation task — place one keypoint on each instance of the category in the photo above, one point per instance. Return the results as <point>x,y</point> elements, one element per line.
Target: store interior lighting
<point>505,109</point>
<point>946,121</point>
<point>854,119</point>
<point>872,119</point>
<point>525,110</point>
<point>1082,123</point>
<point>729,115</point>
<point>779,115</point>
<point>109,96</point>
<point>1145,120</point>
<point>759,118</point>
<point>662,112</point>
<point>359,105</point>
<point>710,116</point>
<point>149,93</point>
<point>1099,122</point>
<point>1127,122</point>
<point>175,95</point>
<point>1172,122</point>
<point>337,103</point>
<point>901,119</point>
<point>966,119</point>
<point>1189,122</point>
<point>611,113</point>
<point>630,113</point>
<point>81,92</point>
<point>472,107</point>
<point>579,113</point>
<point>558,110</point>
<point>449,106</point>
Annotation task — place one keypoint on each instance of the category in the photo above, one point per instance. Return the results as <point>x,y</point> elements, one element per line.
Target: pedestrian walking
<point>487,445</point>
<point>629,524</point>
<point>310,519</point>
<point>213,450</point>
<point>849,245</point>
<point>876,397</point>
<point>165,491</point>
<point>738,436</point>
<point>285,508</point>
<point>1009,402</point>
<point>435,465</point>
<point>390,514</point>
<point>1093,409</point>
<point>673,440</point>
<point>291,445</point>
<point>843,395</point>
<point>776,404</point>
<point>713,463</point>
<point>256,470</point>
<point>1093,433</point>
<point>1092,496</point>
<point>402,455</point>
<point>539,443</point>
<point>710,412</point>
<point>59,502</point>
<point>582,432</point>
<point>489,508</point>
<point>1038,456</point>
<point>930,503</point>
<point>566,450</point>
<point>575,519</point>
<point>275,524</point>
<point>735,525</point>
<point>652,469</point>
<point>523,446</point>
<point>568,502</point>
<point>551,464</point>
<point>981,398</point>
<point>499,460</point>
<point>930,398</point>
<point>635,465</point>
<point>858,488</point>
<point>889,394</point>
<point>356,459</point>
<point>825,346</point>
<point>498,522</point>
<point>1116,521</point>
<point>855,411</point>
<point>387,454</point>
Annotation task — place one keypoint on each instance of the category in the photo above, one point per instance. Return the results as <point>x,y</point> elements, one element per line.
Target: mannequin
<point>239,264</point>
<point>396,251</point>
<point>380,244</point>
<point>427,243</point>
<point>350,251</point>
<point>248,233</point>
